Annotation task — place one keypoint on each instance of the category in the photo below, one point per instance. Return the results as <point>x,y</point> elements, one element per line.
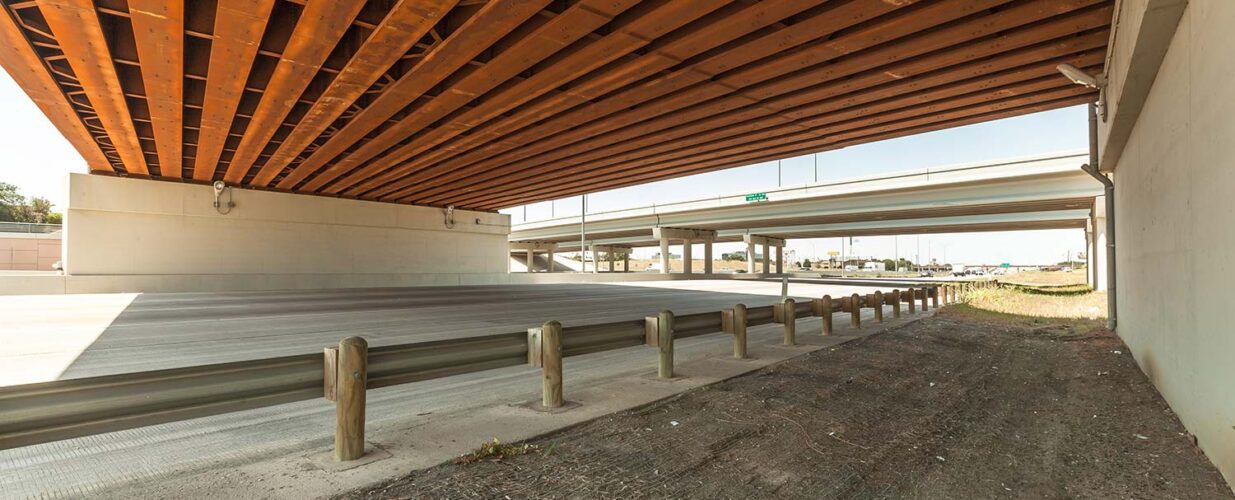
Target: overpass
<point>1042,192</point>
<point>444,111</point>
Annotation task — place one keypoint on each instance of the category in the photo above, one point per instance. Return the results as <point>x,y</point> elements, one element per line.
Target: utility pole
<point>582,235</point>
<point>842,257</point>
<point>896,250</point>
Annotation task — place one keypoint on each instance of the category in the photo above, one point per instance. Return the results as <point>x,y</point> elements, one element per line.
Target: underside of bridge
<point>487,105</point>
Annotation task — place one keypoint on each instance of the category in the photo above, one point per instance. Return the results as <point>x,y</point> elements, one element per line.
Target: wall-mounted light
<point>219,189</point>
<point>1080,77</point>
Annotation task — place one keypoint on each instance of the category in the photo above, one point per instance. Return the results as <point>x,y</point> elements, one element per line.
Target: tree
<point>11,203</point>
<point>738,256</point>
<point>38,211</point>
<point>806,263</point>
<point>13,207</point>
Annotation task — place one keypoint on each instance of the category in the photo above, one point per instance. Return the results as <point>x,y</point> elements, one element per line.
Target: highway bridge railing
<point>63,409</point>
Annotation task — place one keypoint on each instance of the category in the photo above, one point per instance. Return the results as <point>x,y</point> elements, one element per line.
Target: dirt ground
<point>966,404</point>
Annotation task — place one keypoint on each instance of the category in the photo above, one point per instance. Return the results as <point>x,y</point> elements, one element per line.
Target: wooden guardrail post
<point>791,321</point>
<point>739,331</point>
<point>912,299</point>
<point>878,303</point>
<point>825,312</point>
<point>664,338</point>
<point>551,365</point>
<point>934,293</point>
<point>925,292</point>
<point>896,303</point>
<point>855,311</point>
<point>350,382</point>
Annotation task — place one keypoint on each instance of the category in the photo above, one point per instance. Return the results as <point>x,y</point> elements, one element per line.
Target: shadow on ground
<point>967,404</point>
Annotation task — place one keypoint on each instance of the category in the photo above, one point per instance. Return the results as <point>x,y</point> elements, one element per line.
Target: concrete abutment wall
<point>139,235</point>
<point>1175,216</point>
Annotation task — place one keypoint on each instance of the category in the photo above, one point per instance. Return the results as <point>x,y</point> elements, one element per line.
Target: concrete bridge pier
<point>688,237</point>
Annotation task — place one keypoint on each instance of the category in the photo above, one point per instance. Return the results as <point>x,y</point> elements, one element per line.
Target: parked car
<point>926,274</point>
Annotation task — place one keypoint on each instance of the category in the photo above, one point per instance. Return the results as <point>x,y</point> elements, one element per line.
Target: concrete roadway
<point>283,451</point>
<point>53,337</point>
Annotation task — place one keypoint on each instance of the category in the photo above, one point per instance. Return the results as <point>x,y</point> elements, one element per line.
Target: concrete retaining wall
<point>1175,217</point>
<point>159,236</point>
<point>29,251</point>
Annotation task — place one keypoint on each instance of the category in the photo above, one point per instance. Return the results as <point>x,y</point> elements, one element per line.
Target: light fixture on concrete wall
<point>1080,77</point>
<point>450,216</point>
<point>219,189</point>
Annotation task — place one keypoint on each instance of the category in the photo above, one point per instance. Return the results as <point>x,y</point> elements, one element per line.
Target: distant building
<point>875,265</point>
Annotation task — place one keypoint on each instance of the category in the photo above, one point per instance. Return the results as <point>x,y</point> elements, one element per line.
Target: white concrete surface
<point>1175,233</point>
<point>53,337</point>
<point>168,237</point>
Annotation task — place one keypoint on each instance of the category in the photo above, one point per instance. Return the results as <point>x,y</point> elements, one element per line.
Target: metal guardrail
<point>64,409</point>
<point>28,227</point>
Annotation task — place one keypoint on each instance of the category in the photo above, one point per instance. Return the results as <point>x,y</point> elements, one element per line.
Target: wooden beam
<point>158,31</point>
<point>80,35</point>
<point>742,19</point>
<point>27,69</point>
<point>493,22</point>
<point>571,25</point>
<point>588,119</point>
<point>814,118</point>
<point>238,29</point>
<point>403,27</point>
<point>873,134</point>
<point>761,148</point>
<point>632,31</point>
<point>555,147</point>
<point>317,31</point>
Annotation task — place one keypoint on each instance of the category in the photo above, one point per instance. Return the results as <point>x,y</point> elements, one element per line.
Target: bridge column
<point>767,242</point>
<point>1099,243</point>
<point>750,257</point>
<point>687,259</point>
<point>780,260</point>
<point>609,257</point>
<point>1098,250</point>
<point>626,262</point>
<point>530,248</point>
<point>595,261</point>
<point>664,256</point>
<point>688,237</point>
<point>707,257</point>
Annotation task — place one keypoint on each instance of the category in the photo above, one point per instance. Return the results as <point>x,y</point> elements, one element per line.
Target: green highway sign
<point>756,197</point>
<point>1005,264</point>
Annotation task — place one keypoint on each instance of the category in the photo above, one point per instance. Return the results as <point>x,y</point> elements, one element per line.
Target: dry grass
<point>1049,278</point>
<point>1091,305</point>
<point>495,451</point>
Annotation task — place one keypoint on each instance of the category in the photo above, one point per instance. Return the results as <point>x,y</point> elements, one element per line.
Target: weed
<point>495,451</point>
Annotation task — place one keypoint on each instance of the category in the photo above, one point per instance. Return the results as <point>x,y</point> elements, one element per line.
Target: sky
<point>36,157</point>
<point>1062,130</point>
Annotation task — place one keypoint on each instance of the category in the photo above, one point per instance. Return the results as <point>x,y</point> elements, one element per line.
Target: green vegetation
<point>1089,306</point>
<point>495,451</point>
<point>15,208</point>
